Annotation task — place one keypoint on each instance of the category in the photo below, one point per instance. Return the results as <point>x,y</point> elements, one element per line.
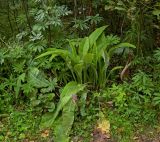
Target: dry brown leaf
<point>102,131</point>
<point>45,134</point>
<point>104,126</point>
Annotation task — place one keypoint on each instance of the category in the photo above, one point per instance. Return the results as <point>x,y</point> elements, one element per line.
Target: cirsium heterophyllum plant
<point>88,58</point>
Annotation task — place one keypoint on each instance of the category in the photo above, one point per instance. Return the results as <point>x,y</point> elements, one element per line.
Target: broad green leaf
<point>83,103</point>
<point>36,78</point>
<point>70,89</point>
<point>45,54</point>
<point>121,45</point>
<point>88,58</point>
<point>54,52</point>
<point>95,35</point>
<point>64,124</point>
<point>101,41</point>
<point>35,102</point>
<point>78,70</point>
<point>125,44</point>
<point>84,47</point>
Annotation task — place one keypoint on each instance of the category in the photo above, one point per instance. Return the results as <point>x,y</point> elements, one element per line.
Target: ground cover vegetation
<point>79,70</point>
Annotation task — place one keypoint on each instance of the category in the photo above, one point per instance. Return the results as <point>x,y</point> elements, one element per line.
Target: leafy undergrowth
<point>122,128</point>
<point>81,71</point>
<point>23,125</point>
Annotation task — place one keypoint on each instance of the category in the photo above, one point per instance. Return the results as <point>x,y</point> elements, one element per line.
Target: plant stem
<point>25,7</point>
<point>9,19</point>
<point>15,17</point>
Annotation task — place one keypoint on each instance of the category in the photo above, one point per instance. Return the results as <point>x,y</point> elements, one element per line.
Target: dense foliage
<point>79,70</point>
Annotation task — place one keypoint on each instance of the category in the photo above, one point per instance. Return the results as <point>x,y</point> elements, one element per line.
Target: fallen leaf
<point>102,132</point>
<point>104,126</point>
<point>45,134</point>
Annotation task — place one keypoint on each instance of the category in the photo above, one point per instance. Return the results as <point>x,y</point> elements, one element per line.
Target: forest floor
<point>18,132</point>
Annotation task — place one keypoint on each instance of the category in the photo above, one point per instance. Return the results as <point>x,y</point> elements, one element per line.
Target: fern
<point>143,83</point>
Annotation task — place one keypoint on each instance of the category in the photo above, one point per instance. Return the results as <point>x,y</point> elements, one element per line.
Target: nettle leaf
<point>21,35</point>
<point>18,67</point>
<point>50,106</point>
<point>27,88</point>
<point>54,21</point>
<point>51,86</point>
<point>35,103</point>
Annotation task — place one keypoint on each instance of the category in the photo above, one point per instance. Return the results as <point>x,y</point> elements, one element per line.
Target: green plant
<point>135,24</point>
<point>66,104</point>
<point>59,95</point>
<point>44,102</point>
<point>143,83</point>
<point>83,25</point>
<point>88,59</point>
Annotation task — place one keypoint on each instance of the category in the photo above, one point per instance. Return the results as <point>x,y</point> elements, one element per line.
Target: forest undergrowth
<point>79,71</point>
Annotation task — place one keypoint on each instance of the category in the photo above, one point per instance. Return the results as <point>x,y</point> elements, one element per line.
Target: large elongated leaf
<point>88,58</point>
<point>45,54</point>
<point>96,34</point>
<point>69,90</point>
<point>83,103</point>
<point>84,47</point>
<point>114,69</point>
<point>64,123</point>
<point>54,52</point>
<point>121,45</point>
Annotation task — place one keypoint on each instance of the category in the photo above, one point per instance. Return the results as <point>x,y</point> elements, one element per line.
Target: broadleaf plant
<point>88,58</point>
